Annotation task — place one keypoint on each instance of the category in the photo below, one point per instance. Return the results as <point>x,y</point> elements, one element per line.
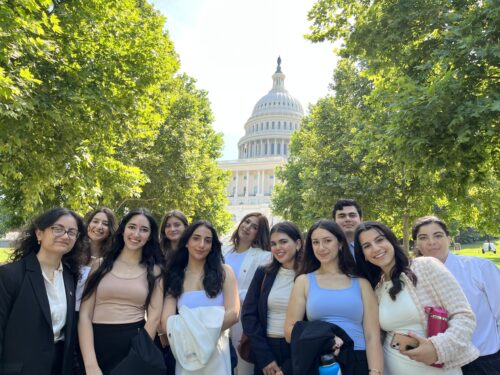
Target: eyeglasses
<point>60,231</point>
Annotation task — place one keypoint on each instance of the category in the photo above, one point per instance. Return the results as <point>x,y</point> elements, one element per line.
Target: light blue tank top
<point>235,260</point>
<point>343,307</point>
<point>199,298</point>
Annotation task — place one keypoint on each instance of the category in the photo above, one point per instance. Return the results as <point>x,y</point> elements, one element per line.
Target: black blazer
<point>254,317</point>
<point>26,336</point>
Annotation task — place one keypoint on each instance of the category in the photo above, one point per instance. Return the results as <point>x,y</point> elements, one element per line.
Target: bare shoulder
<point>228,271</point>
<point>366,288</point>
<point>302,282</point>
<point>156,270</point>
<point>364,284</point>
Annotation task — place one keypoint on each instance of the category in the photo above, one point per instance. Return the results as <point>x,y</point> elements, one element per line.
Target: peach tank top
<point>120,300</point>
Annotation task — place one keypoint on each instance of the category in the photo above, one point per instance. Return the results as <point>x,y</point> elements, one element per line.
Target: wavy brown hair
<point>165,244</point>
<point>262,238</point>
<point>106,246</point>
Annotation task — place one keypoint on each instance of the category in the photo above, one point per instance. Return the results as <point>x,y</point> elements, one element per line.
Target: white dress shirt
<point>480,280</point>
<point>56,294</point>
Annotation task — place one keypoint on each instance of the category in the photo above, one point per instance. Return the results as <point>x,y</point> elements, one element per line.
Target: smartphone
<point>403,342</point>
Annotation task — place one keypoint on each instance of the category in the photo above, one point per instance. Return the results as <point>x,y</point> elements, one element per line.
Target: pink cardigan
<point>436,286</point>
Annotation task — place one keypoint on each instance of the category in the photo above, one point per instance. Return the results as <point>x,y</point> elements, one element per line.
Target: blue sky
<point>231,46</point>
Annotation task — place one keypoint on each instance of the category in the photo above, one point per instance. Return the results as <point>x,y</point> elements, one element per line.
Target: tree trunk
<point>406,233</point>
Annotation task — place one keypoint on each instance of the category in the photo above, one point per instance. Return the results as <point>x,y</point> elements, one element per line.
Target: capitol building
<point>265,146</point>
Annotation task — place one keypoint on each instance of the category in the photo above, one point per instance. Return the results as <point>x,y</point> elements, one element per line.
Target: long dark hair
<point>106,246</point>
<point>261,238</point>
<point>151,255</point>
<point>373,273</point>
<point>165,243</point>
<point>214,275</point>
<point>27,242</point>
<point>346,262</point>
<point>292,231</point>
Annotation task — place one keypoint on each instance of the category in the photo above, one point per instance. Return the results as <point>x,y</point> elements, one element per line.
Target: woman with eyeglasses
<point>37,296</point>
<point>121,289</point>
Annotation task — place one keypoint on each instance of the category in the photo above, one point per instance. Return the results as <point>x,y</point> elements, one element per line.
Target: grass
<point>474,249</point>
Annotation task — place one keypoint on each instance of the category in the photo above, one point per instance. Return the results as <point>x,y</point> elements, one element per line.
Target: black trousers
<point>484,365</point>
<point>282,354</point>
<point>360,364</point>
<point>112,343</point>
<point>58,358</point>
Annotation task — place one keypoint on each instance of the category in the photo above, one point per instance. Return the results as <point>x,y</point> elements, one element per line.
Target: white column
<point>246,184</point>
<point>262,182</point>
<point>258,182</point>
<point>237,182</point>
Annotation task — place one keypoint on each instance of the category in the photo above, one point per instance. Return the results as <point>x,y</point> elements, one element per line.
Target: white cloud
<point>230,47</point>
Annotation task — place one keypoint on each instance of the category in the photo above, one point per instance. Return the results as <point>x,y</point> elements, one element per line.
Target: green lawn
<point>474,249</point>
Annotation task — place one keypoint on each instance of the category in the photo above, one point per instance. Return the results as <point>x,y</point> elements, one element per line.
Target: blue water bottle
<point>328,365</point>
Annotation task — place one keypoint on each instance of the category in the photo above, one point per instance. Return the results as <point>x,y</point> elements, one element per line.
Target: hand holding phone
<point>403,342</point>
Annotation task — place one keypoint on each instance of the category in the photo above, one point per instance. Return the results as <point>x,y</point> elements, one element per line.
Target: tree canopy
<point>424,137</point>
<point>93,112</point>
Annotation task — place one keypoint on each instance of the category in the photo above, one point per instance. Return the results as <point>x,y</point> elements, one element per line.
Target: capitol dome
<point>274,119</point>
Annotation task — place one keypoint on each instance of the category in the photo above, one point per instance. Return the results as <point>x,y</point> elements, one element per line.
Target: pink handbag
<point>437,322</point>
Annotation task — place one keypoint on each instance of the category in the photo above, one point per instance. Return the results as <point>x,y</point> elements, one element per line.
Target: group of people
<point>99,296</point>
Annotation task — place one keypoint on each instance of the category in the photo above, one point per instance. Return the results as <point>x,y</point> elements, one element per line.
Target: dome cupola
<point>274,118</point>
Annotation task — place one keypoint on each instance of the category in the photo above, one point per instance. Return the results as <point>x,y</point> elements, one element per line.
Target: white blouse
<point>56,294</point>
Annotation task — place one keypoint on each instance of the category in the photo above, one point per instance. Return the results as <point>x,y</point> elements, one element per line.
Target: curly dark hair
<point>27,242</point>
<point>108,243</point>
<point>292,231</point>
<point>151,255</point>
<point>165,244</point>
<point>310,263</point>
<point>373,273</point>
<point>214,275</point>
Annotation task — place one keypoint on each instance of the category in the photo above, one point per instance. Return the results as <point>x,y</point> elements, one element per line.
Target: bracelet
<point>375,371</point>
<point>161,334</point>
